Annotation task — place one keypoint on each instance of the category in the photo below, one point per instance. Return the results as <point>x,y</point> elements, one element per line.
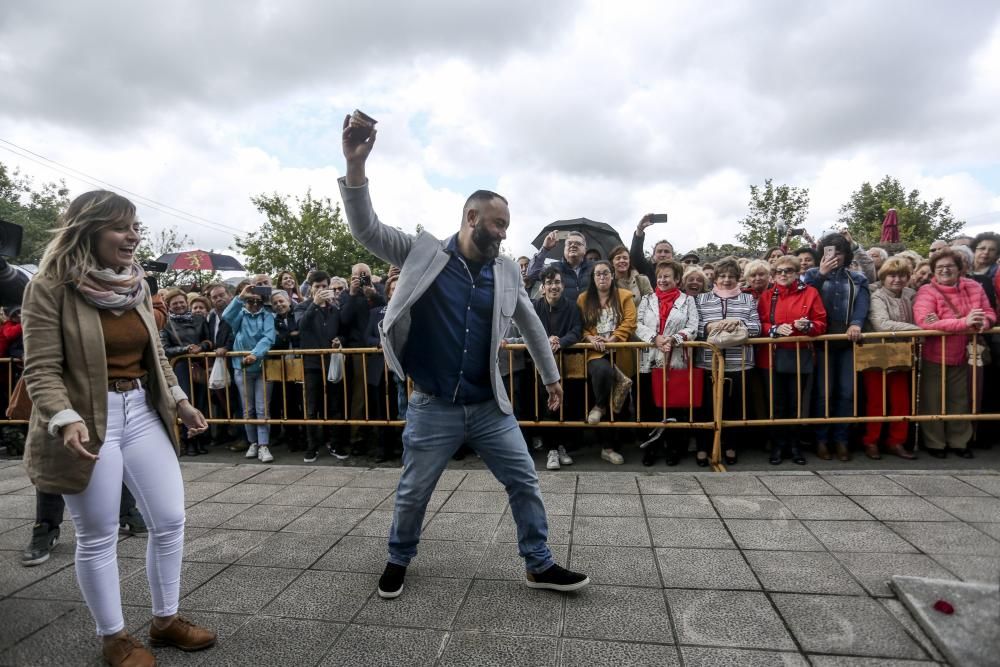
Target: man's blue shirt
<point>448,349</point>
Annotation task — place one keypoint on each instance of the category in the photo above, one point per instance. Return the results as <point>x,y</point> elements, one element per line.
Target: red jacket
<point>794,302</point>
<point>9,333</point>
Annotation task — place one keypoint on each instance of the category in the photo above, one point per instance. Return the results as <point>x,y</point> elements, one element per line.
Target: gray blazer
<point>421,258</point>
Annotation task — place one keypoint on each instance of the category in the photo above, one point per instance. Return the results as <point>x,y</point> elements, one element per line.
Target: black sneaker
<point>339,454</point>
<point>43,540</point>
<point>390,584</point>
<point>557,579</point>
<point>132,523</point>
<point>310,456</point>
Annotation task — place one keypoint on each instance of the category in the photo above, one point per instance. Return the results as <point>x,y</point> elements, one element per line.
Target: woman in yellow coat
<point>609,316</point>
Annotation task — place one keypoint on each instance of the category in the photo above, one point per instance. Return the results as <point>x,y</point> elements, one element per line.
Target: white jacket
<point>681,324</point>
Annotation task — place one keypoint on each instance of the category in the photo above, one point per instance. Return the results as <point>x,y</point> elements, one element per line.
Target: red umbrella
<point>199,260</point>
<point>890,227</point>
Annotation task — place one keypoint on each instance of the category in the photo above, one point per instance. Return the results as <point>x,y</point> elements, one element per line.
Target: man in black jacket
<point>663,251</point>
<point>320,328</point>
<point>356,307</point>
<point>562,323</point>
<point>223,338</point>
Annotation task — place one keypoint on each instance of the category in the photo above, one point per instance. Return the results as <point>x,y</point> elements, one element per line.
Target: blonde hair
<point>895,266</point>
<point>70,254</point>
<point>756,266</point>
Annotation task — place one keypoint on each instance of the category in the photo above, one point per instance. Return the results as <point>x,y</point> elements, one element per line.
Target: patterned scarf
<point>108,290</point>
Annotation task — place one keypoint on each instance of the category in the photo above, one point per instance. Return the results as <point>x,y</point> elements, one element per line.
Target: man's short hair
<point>549,272</point>
<point>880,251</point>
<point>573,232</point>
<point>483,196</point>
<point>662,242</point>
<point>806,250</point>
<point>527,259</point>
<point>319,277</point>
<point>214,286</point>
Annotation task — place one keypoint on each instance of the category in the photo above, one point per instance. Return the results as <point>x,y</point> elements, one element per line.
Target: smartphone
<point>263,291</point>
<point>829,251</point>
<point>562,235</point>
<point>361,124</point>
<point>657,218</point>
<point>798,231</point>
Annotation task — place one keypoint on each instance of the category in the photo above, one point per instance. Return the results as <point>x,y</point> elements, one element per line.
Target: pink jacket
<point>940,299</point>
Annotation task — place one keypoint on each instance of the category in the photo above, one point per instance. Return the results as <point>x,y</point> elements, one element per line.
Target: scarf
<point>726,294</point>
<point>108,290</point>
<point>667,300</point>
<point>183,318</point>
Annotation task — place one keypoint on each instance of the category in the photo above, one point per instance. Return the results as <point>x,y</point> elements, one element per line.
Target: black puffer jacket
<point>180,332</point>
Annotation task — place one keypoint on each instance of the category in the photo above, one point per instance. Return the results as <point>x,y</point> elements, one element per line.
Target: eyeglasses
<point>602,274</point>
<point>945,268</point>
<point>575,244</point>
<point>785,271</point>
<point>254,302</point>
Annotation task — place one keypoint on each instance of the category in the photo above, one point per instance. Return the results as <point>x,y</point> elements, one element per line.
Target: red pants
<point>897,397</point>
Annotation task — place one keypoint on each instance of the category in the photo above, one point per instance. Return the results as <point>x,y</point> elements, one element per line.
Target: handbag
<point>723,339</point>
<point>19,408</point>
<point>219,379</point>
<point>684,387</point>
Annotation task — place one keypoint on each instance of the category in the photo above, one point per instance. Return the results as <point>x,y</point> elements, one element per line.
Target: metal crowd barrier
<point>284,372</point>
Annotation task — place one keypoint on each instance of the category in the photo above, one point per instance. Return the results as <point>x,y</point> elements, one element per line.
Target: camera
<point>10,239</point>
<point>149,266</point>
<point>365,279</point>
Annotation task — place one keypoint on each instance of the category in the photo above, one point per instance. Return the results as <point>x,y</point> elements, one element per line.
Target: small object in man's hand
<point>944,607</point>
<point>361,125</point>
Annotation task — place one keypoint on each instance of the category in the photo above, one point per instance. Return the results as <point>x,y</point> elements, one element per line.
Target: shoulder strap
<point>774,304</point>
<point>947,300</point>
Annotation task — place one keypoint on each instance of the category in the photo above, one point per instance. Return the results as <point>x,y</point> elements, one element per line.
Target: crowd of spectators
<point>831,286</point>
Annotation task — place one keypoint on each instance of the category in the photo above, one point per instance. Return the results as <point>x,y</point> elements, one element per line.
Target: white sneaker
<point>264,454</point>
<point>553,462</point>
<point>252,452</point>
<point>611,456</point>
<point>564,458</point>
<point>595,415</point>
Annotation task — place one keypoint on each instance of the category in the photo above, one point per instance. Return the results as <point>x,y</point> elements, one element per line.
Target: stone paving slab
<point>785,567</point>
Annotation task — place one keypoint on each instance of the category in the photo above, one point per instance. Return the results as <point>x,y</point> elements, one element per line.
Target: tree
<point>35,210</point>
<point>711,252</point>
<point>770,206</point>
<point>302,236</point>
<point>920,222</point>
<point>171,239</point>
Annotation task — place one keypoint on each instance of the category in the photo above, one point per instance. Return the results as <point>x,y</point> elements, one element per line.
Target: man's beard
<point>487,244</point>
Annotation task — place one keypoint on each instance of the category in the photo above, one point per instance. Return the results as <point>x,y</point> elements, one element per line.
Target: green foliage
<point>36,210</point>
<point>309,233</point>
<point>920,222</point>
<point>770,206</point>
<point>711,252</point>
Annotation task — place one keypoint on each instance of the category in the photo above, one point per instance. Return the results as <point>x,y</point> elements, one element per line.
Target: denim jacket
<point>254,333</point>
<point>845,296</point>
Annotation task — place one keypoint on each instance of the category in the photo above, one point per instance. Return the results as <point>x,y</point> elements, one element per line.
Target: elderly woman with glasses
<point>955,304</point>
<point>725,308</point>
<point>789,309</point>
<point>609,316</point>
<point>253,326</point>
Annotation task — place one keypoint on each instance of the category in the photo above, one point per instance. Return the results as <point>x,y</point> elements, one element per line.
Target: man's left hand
<point>854,333</point>
<point>555,395</point>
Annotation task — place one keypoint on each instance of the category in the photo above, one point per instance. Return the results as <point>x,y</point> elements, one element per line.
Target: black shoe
<point>649,456</point>
<point>797,457</point>
<point>730,459</point>
<point>673,456</point>
<point>775,459</point>
<point>200,447</point>
<point>557,579</point>
<point>310,456</point>
<point>339,454</point>
<point>43,540</point>
<point>381,455</point>
<point>390,584</point>
<point>240,445</point>
<point>963,453</point>
<point>702,462</point>
<point>132,523</point>
<point>938,453</point>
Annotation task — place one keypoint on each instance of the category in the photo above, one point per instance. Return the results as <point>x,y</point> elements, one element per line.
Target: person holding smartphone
<point>846,298</point>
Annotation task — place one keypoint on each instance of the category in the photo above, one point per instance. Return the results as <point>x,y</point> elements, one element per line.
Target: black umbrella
<point>600,235</point>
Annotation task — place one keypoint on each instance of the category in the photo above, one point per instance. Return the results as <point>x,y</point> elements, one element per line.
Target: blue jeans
<point>254,396</point>
<point>841,388</point>
<point>435,428</point>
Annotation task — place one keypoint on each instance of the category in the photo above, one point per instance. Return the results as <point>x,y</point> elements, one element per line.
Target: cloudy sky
<point>600,109</point>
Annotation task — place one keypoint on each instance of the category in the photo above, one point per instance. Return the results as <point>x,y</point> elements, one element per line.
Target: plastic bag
<point>336,369</point>
<point>219,378</point>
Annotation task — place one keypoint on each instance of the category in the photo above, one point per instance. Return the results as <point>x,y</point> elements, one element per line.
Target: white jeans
<point>138,451</point>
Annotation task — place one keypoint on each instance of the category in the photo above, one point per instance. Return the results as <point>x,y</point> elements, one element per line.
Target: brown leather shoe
<point>871,451</point>
<point>182,634</point>
<point>900,451</point>
<point>843,453</point>
<point>822,451</point>
<point>127,651</point>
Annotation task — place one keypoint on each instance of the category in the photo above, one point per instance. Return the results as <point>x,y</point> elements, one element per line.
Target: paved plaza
<point>784,567</point>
